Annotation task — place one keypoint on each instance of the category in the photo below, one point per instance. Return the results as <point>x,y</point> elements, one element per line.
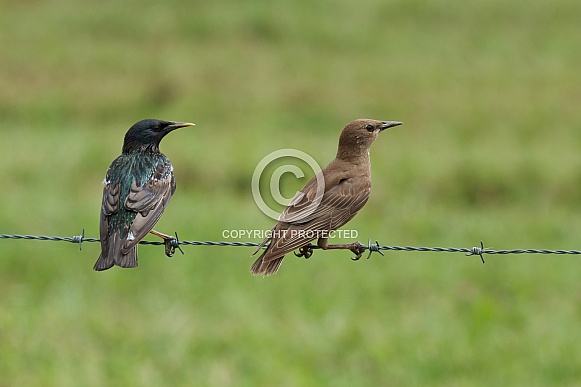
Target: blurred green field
<point>489,92</point>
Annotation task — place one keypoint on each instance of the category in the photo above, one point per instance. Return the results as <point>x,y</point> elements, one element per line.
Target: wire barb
<point>373,248</point>
<point>79,239</point>
<point>175,243</point>
<point>477,251</point>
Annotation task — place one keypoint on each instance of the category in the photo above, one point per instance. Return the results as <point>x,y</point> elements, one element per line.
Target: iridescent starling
<point>319,208</point>
<point>137,188</point>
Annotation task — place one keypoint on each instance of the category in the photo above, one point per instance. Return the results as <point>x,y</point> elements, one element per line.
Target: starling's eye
<point>369,128</point>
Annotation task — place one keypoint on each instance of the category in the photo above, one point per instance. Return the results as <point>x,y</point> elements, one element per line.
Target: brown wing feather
<point>338,206</point>
<point>149,201</point>
<point>304,204</point>
<point>109,206</point>
<point>110,203</point>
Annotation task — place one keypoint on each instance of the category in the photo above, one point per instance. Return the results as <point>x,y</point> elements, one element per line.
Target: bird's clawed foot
<point>357,249</point>
<point>170,243</point>
<point>170,246</point>
<point>305,251</point>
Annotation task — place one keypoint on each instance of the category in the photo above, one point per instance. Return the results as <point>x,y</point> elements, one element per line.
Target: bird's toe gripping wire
<point>357,249</point>
<point>305,251</point>
<point>477,251</point>
<point>171,244</point>
<point>360,249</point>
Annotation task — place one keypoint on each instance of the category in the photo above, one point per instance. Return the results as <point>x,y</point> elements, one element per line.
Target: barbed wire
<point>371,247</point>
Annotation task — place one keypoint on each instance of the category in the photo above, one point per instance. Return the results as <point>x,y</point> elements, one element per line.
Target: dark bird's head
<point>146,134</point>
<point>358,135</point>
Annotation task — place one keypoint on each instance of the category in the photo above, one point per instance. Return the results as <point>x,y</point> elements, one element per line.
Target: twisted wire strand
<point>372,247</point>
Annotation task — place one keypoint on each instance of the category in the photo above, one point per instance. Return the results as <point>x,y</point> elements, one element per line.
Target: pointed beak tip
<point>390,124</point>
<point>177,125</point>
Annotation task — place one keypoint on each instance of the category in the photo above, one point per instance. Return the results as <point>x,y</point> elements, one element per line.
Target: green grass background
<point>489,91</point>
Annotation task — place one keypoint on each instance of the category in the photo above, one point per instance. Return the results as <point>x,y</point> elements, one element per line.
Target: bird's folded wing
<point>304,203</point>
<point>110,204</point>
<point>338,205</point>
<point>346,195</point>
<point>149,201</point>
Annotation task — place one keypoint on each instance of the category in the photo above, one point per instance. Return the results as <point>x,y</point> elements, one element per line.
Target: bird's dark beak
<point>388,124</point>
<point>177,125</point>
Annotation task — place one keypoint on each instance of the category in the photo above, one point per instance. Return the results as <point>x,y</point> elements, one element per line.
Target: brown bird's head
<point>358,135</point>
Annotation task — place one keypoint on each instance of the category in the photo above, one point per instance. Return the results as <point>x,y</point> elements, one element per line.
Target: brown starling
<point>137,188</point>
<point>312,215</point>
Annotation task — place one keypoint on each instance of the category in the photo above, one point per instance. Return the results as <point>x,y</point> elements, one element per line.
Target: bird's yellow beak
<point>177,125</point>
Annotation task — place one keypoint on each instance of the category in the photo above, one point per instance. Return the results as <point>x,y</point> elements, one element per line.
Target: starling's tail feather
<point>103,263</point>
<point>128,260</point>
<point>266,268</point>
<point>114,257</point>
